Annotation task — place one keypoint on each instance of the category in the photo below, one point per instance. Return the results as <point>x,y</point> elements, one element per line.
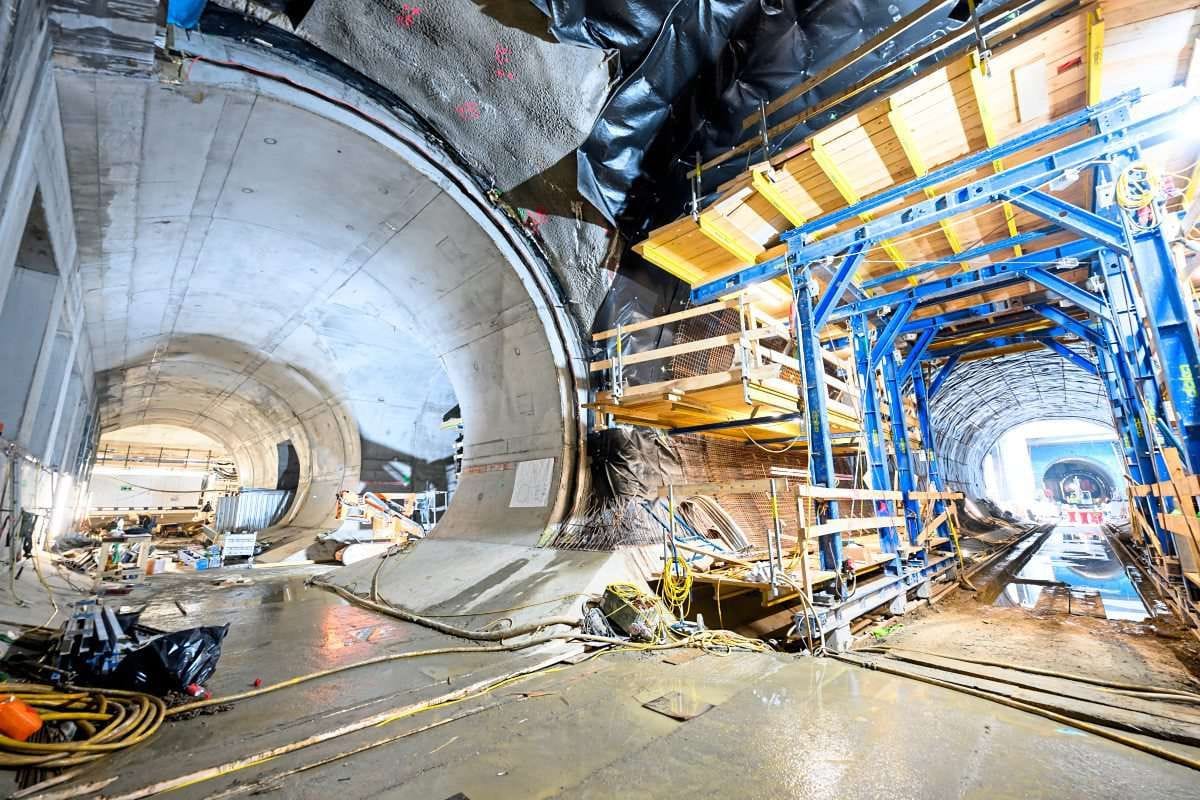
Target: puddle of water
<point>1082,558</point>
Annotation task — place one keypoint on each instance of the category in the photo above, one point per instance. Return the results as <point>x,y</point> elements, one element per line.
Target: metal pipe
<point>771,542</point>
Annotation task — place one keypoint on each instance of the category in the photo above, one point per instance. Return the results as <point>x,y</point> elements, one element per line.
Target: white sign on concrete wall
<point>531,487</point>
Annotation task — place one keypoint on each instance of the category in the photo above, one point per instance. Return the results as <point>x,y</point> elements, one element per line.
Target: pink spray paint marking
<point>502,63</point>
<point>535,219</point>
<point>468,111</point>
<point>408,15</point>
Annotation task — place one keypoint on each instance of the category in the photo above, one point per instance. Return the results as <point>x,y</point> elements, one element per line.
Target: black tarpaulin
<point>690,72</point>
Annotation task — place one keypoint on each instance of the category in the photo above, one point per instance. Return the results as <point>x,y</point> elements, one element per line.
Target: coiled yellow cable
<point>110,720</point>
<point>1137,186</point>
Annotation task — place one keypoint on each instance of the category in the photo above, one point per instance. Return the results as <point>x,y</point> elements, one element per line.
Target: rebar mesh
<point>608,524</point>
<point>704,362</point>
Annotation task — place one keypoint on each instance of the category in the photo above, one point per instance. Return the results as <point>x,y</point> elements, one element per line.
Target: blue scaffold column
<point>1123,350</point>
<point>872,423</point>
<point>929,440</point>
<point>820,443</point>
<point>899,424</point>
<point>1172,324</point>
<point>1165,298</point>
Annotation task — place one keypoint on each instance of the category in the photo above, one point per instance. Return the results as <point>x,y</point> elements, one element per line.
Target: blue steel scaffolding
<point>1134,315</point>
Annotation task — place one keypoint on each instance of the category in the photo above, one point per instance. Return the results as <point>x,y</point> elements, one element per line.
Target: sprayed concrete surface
<point>529,583</point>
<point>779,726</point>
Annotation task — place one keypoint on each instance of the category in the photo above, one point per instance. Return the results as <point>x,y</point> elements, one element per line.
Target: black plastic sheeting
<point>171,662</point>
<point>631,462</point>
<point>690,72</point>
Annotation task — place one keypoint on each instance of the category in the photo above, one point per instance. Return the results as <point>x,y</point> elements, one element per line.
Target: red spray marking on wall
<point>502,63</point>
<point>535,219</point>
<point>408,15</point>
<point>468,111</point>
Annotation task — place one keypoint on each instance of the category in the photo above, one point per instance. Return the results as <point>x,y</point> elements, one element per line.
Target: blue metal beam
<point>1084,364</point>
<point>1173,326</point>
<point>837,285</point>
<point>969,282</point>
<point>1069,291</point>
<point>887,337</point>
<point>951,317</point>
<point>916,353</point>
<point>929,441</point>
<point>759,273</point>
<point>987,190</point>
<point>1021,239</point>
<point>943,373</point>
<point>1069,216</point>
<point>899,426</point>
<point>1059,317</point>
<point>1002,341</point>
<point>983,158</point>
<point>820,443</point>
<point>872,424</point>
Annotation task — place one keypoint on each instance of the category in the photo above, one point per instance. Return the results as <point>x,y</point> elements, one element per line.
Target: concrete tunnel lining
<point>489,323</point>
<point>983,399</point>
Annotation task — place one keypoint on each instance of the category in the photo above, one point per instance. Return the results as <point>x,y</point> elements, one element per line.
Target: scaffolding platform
<point>748,383</point>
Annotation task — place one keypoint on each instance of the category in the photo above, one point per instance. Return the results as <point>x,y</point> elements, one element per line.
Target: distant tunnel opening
<point>1077,482</point>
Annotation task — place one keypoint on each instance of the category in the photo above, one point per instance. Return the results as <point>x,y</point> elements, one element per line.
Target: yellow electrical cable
<point>125,718</point>
<point>676,583</point>
<point>1137,186</point>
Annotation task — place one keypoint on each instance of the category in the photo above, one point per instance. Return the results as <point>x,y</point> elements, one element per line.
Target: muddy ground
<point>1158,651</point>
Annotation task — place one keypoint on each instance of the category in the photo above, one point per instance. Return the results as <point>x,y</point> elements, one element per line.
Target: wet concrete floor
<point>778,726</point>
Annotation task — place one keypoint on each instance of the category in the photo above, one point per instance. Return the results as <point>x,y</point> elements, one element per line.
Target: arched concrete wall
<point>283,171</point>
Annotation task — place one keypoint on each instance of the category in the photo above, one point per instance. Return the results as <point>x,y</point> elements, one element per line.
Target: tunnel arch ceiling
<point>281,266</point>
<point>983,399</point>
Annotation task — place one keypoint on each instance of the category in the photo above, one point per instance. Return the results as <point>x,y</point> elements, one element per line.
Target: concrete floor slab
<point>780,726</point>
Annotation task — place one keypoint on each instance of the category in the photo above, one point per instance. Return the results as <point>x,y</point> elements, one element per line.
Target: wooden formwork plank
<point>854,524</point>
<point>667,319</point>
<point>685,347</point>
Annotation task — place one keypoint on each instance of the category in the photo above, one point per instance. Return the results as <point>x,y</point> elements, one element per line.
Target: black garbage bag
<point>171,662</point>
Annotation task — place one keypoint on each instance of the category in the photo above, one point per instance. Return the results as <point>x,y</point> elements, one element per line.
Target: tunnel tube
<point>981,400</point>
<point>445,285</point>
